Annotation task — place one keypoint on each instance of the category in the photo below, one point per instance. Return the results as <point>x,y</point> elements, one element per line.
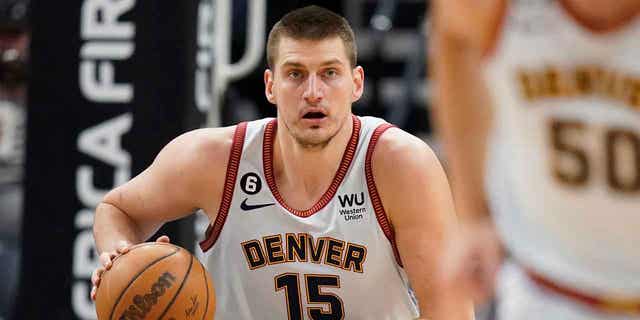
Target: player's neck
<point>308,171</point>
<point>601,13</point>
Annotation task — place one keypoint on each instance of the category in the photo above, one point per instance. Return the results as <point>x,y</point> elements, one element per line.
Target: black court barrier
<point>111,83</point>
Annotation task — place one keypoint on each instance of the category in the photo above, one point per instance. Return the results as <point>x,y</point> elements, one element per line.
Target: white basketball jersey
<point>564,163</point>
<point>336,260</point>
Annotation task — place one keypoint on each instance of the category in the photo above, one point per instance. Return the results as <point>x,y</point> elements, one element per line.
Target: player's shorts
<point>520,298</point>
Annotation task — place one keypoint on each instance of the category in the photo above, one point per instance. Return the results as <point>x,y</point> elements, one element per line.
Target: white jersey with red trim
<point>564,162</point>
<point>336,260</point>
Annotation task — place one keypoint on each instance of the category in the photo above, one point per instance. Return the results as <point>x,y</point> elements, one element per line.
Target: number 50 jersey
<point>564,168</point>
<point>336,260</point>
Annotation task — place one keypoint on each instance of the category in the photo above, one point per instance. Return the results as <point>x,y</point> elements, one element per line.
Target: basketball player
<point>318,214</point>
<point>543,99</point>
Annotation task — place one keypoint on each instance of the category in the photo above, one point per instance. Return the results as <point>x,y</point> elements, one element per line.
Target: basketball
<point>155,281</point>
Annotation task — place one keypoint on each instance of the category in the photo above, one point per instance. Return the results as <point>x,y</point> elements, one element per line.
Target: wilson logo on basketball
<point>191,311</point>
<point>143,304</point>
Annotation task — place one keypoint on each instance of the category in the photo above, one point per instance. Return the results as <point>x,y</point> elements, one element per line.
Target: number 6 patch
<point>251,183</point>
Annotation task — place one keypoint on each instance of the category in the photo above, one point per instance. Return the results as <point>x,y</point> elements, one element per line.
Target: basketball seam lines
<point>206,284</point>
<point>179,289</point>
<point>136,277</point>
<point>140,245</point>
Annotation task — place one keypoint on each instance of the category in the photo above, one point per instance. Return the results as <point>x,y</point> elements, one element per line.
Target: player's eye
<point>294,74</point>
<point>331,73</point>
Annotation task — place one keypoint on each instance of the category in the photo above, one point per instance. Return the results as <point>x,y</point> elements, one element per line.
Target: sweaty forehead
<point>311,52</point>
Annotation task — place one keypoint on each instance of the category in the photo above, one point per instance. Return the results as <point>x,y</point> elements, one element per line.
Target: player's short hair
<point>312,23</point>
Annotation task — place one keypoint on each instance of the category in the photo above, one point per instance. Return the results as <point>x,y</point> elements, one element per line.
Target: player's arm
<point>461,38</point>
<point>417,199</point>
<point>463,32</point>
<point>188,174</point>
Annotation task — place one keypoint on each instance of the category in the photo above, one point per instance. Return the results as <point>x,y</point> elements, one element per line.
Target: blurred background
<point>90,90</point>
<point>14,51</point>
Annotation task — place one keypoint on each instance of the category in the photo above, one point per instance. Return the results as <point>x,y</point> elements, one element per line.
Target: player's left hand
<point>106,261</point>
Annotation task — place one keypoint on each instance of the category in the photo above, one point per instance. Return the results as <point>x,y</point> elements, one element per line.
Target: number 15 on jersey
<point>321,305</point>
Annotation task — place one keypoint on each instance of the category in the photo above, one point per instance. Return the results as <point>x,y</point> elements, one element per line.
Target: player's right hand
<point>476,260</point>
<point>106,261</point>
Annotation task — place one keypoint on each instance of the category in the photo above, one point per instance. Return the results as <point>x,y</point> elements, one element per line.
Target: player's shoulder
<point>208,139</point>
<point>201,147</point>
<point>473,10</point>
<point>471,23</point>
<point>398,150</point>
<point>403,165</point>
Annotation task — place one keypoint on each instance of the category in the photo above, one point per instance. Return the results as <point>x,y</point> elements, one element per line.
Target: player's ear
<point>268,86</point>
<point>358,83</point>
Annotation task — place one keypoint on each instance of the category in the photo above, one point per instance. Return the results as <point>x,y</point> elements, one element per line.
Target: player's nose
<point>313,92</point>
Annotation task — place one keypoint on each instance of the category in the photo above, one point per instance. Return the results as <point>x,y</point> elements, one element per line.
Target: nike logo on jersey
<point>246,207</point>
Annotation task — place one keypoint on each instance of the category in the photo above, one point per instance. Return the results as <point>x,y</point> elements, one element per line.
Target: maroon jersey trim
<point>213,231</point>
<point>381,215</point>
<point>603,304</point>
<point>347,157</point>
